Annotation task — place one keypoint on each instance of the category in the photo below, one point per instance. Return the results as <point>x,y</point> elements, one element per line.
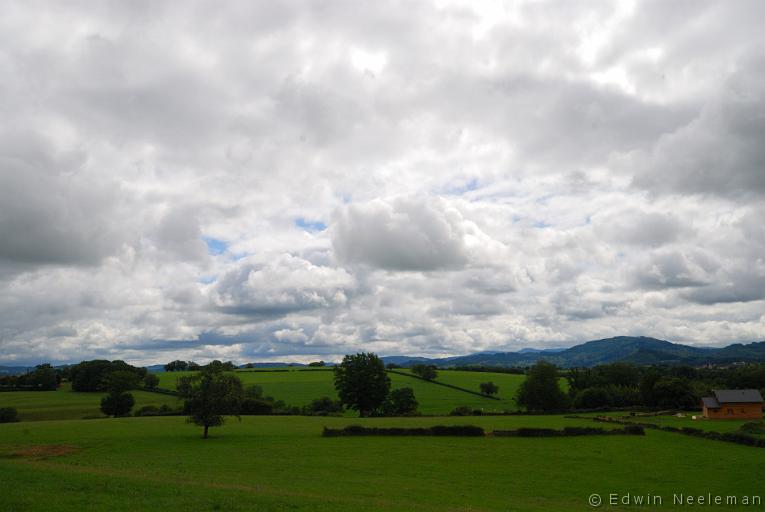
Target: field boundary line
<point>476,393</point>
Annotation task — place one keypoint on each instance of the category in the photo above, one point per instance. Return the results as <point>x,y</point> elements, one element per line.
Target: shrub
<point>324,406</point>
<point>488,388</point>
<point>536,432</point>
<point>462,410</point>
<point>634,430</point>
<point>147,410</point>
<point>256,407</point>
<point>8,415</point>
<point>439,430</point>
<point>753,427</point>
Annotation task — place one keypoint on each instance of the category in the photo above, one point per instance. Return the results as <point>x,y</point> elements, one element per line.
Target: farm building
<point>733,404</point>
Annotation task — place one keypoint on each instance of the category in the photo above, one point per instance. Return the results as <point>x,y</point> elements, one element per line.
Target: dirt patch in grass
<point>43,451</point>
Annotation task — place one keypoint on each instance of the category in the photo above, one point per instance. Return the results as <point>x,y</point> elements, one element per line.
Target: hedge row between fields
<point>438,430</point>
<point>729,437</point>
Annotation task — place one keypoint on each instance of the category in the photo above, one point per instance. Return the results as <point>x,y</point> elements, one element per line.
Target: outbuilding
<point>733,404</point>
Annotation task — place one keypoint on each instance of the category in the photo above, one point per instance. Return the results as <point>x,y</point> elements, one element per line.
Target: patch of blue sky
<point>312,226</point>
<point>464,188</point>
<point>215,246</point>
<point>207,279</point>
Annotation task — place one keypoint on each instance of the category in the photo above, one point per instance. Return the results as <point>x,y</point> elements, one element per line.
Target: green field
<point>67,404</point>
<point>296,387</point>
<point>282,463</point>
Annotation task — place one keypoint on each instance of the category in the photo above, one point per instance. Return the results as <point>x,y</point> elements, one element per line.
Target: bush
<point>439,430</point>
<point>462,410</point>
<point>753,427</point>
<point>147,410</point>
<point>256,407</point>
<point>324,406</point>
<point>634,430</point>
<point>8,415</point>
<point>488,388</point>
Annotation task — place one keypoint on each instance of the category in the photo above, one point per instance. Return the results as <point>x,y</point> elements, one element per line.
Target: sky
<point>293,181</point>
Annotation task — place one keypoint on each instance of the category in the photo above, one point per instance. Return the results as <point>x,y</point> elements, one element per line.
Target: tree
<point>316,363</point>
<point>489,388</point>
<point>674,392</point>
<point>151,381</point>
<point>362,383</point>
<point>117,404</point>
<point>426,371</point>
<point>541,391</point>
<point>44,377</point>
<point>210,395</point>
<point>401,402</point>
<point>92,375</point>
<point>176,366</point>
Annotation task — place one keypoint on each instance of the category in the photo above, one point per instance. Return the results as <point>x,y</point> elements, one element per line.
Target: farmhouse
<point>733,403</point>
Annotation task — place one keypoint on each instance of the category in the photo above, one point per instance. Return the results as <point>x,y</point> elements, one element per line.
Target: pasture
<point>299,387</point>
<point>67,404</point>
<point>282,463</point>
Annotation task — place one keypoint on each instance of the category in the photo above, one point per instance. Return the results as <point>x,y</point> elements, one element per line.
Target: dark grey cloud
<point>720,152</point>
<point>54,210</point>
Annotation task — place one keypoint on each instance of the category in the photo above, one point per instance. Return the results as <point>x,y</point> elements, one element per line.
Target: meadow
<point>299,386</point>
<point>67,404</point>
<point>282,463</point>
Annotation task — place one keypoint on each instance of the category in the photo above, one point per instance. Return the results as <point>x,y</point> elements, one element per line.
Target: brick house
<point>733,404</point>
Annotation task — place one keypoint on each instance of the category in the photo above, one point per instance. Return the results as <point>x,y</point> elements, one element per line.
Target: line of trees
<point>43,378</point>
<point>627,385</point>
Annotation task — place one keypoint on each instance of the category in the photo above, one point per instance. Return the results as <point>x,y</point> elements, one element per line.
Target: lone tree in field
<point>541,391</point>
<point>210,395</point>
<point>362,383</point>
<point>489,388</point>
<point>119,402</point>
<point>426,371</point>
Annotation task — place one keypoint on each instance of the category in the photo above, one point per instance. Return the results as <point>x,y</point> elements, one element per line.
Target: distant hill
<point>637,350</point>
<point>14,370</point>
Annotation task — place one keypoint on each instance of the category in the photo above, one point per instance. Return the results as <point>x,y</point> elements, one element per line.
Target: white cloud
<point>473,177</point>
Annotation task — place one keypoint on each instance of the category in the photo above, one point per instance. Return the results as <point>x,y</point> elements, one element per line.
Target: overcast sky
<point>299,180</point>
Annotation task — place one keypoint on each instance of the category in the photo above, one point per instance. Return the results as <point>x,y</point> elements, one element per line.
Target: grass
<point>687,421</point>
<point>67,404</point>
<point>282,463</point>
<point>297,387</point>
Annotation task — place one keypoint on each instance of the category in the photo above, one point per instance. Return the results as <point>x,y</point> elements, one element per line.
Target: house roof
<point>710,402</point>
<point>737,396</point>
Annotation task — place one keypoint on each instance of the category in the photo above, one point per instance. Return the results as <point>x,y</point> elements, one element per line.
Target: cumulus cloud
<point>284,284</point>
<point>720,151</point>
<point>261,180</point>
<point>636,227</point>
<point>407,233</point>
